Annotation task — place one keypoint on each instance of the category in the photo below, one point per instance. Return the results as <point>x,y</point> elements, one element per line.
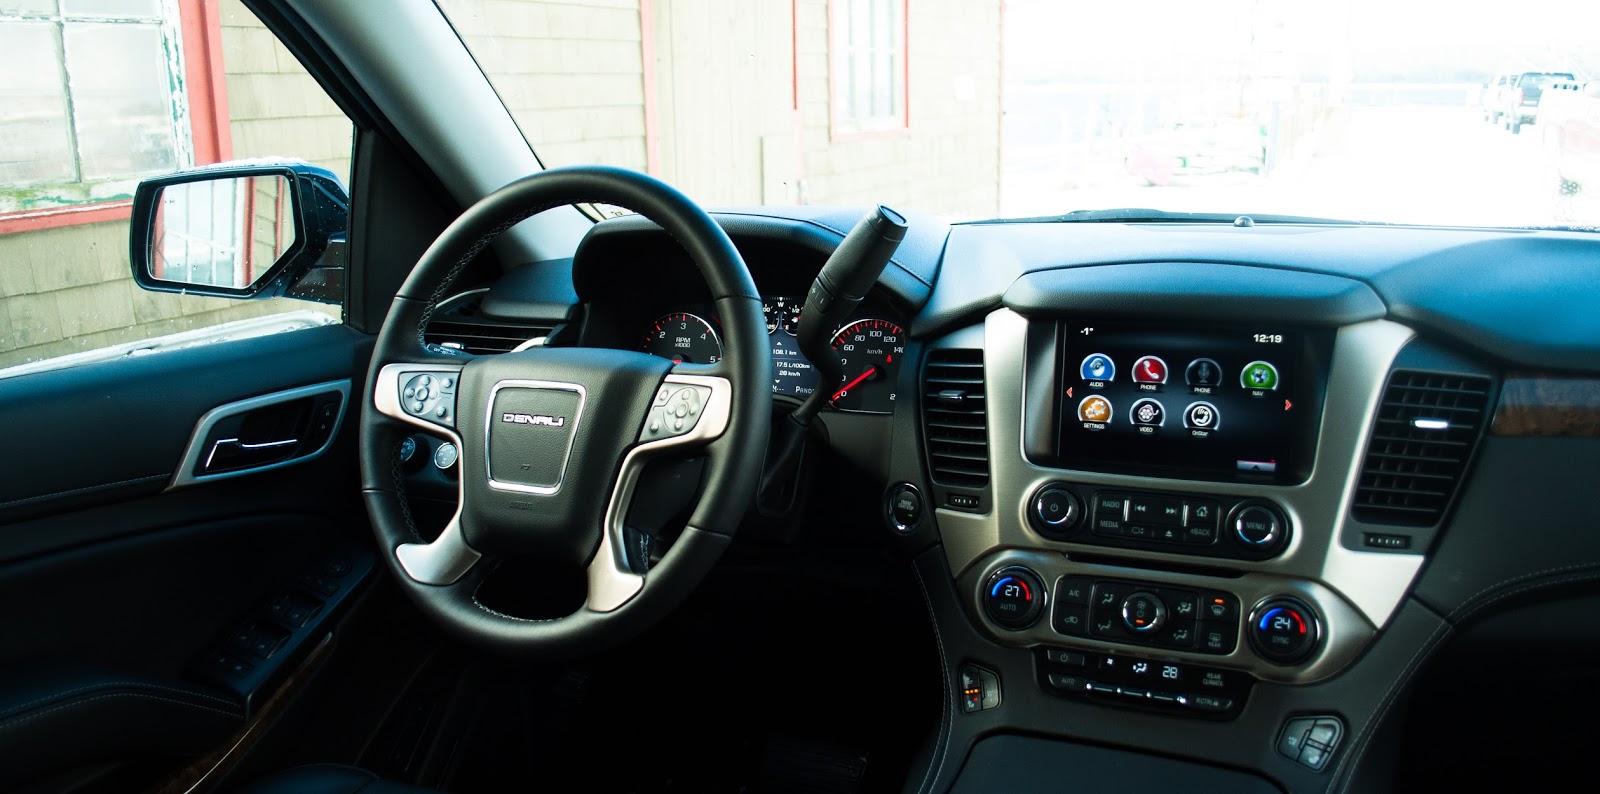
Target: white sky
<point>1150,39</point>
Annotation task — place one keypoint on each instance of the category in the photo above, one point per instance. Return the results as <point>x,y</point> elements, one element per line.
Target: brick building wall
<point>730,101</point>
<point>68,289</point>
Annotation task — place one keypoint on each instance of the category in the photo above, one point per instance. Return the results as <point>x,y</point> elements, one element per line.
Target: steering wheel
<point>552,441</point>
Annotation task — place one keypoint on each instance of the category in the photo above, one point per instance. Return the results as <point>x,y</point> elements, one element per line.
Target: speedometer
<point>684,337</point>
<point>869,352</point>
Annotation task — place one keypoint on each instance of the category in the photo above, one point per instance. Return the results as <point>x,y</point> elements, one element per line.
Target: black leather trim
<point>55,719</point>
<point>329,779</point>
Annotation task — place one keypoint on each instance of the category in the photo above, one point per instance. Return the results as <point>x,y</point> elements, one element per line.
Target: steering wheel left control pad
<point>429,395</point>
<point>676,410</point>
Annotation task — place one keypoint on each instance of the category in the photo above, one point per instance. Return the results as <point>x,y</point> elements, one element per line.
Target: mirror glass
<point>226,232</point>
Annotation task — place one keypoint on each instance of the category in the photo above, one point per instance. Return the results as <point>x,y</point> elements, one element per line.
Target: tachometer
<point>869,352</point>
<point>684,337</point>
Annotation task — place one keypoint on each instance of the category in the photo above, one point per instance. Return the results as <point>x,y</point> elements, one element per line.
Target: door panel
<point>123,594</point>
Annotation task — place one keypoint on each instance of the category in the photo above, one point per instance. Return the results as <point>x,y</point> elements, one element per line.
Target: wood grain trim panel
<point>1536,406</point>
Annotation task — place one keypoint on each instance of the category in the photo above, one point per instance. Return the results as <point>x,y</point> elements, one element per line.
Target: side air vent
<point>1424,433</point>
<point>460,325</point>
<point>953,418</point>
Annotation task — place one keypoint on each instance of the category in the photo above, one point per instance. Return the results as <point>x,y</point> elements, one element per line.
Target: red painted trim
<point>905,63</point>
<point>201,22</point>
<point>794,51</point>
<point>247,269</point>
<point>647,52</point>
<point>904,127</point>
<point>34,220</point>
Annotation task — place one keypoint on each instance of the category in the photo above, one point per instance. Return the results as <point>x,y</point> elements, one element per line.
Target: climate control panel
<point>1159,616</point>
<point>1196,524</point>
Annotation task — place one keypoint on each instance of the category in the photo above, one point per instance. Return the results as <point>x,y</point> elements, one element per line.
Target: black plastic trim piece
<point>1194,290</point>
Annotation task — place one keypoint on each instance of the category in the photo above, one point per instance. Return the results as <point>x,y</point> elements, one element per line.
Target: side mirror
<point>247,230</point>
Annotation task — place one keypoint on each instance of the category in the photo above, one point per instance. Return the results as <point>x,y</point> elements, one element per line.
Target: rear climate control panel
<point>1195,524</point>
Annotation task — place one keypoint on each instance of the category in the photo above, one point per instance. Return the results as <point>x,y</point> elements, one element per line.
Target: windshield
<point>1392,111</point>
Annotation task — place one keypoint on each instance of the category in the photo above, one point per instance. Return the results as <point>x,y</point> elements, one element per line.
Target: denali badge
<point>534,419</point>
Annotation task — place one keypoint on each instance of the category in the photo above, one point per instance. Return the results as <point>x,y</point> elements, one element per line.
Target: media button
<point>1201,416</point>
<point>1259,376</point>
<point>1203,373</point>
<point>1147,414</point>
<point>1150,369</point>
<point>1094,412</point>
<point>1098,367</point>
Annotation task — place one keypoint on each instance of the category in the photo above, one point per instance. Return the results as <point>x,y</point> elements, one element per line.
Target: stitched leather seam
<point>20,720</point>
<point>1345,772</point>
<point>936,763</point>
<point>15,710</point>
<point>70,491</point>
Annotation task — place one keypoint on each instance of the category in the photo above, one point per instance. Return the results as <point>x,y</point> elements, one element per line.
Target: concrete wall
<point>68,289</point>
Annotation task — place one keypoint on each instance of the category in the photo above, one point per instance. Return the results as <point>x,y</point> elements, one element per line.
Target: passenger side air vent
<point>460,325</point>
<point>1421,439</point>
<point>953,418</point>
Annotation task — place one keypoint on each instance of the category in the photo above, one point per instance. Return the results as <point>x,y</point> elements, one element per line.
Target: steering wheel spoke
<point>688,411</point>
<point>423,395</point>
<point>441,562</point>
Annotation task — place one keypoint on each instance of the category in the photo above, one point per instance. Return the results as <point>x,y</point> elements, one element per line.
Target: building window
<point>94,100</point>
<point>869,65</point>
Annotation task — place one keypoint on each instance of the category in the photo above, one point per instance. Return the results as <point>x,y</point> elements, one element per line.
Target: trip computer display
<point>1195,403</point>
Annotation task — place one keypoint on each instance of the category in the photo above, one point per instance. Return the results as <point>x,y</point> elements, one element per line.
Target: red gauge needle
<point>852,384</point>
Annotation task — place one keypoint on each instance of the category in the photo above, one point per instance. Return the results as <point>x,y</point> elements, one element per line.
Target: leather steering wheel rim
<point>734,391</point>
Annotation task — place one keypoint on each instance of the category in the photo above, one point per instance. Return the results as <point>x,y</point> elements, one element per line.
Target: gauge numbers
<point>684,338</point>
<point>869,352</point>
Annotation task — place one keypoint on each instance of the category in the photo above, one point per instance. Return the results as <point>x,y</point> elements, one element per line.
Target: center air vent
<point>953,418</point>
<point>1421,439</point>
<point>460,325</point>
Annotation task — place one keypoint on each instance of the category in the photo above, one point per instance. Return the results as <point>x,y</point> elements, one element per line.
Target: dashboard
<point>1207,492</point>
<point>870,350</point>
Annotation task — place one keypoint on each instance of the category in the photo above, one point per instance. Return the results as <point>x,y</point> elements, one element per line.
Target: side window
<point>100,94</point>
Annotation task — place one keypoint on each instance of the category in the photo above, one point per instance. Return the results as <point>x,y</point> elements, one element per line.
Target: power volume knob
<point>1014,597</point>
<point>1054,510</point>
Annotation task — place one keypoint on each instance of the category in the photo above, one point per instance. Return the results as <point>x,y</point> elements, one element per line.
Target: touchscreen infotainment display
<point>1204,403</point>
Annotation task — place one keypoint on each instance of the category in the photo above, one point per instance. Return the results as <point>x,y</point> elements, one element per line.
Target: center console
<point>1169,504</point>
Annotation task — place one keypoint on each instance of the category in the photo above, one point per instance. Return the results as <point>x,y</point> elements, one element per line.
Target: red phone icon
<point>1150,369</point>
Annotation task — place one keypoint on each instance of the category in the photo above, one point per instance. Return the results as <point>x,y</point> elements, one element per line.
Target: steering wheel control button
<point>1014,597</point>
<point>1144,613</point>
<point>675,411</point>
<point>429,397</point>
<point>1283,630</point>
<point>444,458</point>
<point>904,508</point>
<point>980,689</point>
<point>1259,377</point>
<point>1258,526</point>
<point>1098,369</point>
<point>1311,740</point>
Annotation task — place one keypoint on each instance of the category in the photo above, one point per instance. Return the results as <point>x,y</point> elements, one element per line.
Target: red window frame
<point>200,26</point>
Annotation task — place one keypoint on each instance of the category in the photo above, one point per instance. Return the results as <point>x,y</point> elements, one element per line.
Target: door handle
<point>231,453</point>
